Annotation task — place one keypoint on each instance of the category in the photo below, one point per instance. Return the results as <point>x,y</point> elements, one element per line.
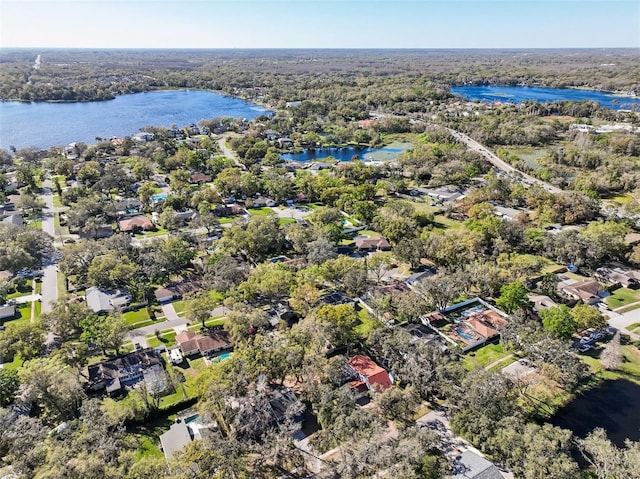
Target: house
<point>371,375</point>
<point>136,223</point>
<point>420,333</point>
<point>470,465</point>
<point>541,301</point>
<point>113,374</point>
<point>415,278</point>
<point>233,209</point>
<point>142,137</point>
<point>199,178</point>
<point>128,205</point>
<point>468,324</point>
<point>367,243</point>
<point>7,311</point>
<point>103,301</point>
<point>263,201</point>
<point>15,219</point>
<point>176,291</point>
<point>445,194</point>
<point>175,439</point>
<point>104,231</point>
<point>285,142</point>
<point>293,104</point>
<point>587,290</point>
<point>211,342</point>
<point>619,276</point>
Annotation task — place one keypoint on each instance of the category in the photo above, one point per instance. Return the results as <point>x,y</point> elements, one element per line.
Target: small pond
<point>387,153</point>
<point>613,406</point>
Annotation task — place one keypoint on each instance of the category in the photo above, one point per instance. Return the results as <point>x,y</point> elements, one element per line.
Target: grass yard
<point>370,233</point>
<point>37,224</point>
<point>443,222</point>
<point>623,297</point>
<point>178,306</point>
<point>286,221</point>
<point>56,201</point>
<point>167,339</point>
<point>483,357</point>
<point>159,232</point>
<point>217,321</point>
<point>630,368</point>
<point>367,324</point>
<point>260,211</point>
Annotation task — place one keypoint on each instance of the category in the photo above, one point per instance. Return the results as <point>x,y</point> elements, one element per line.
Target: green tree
<point>257,237</point>
<point>111,271</point>
<point>107,332</point>
<point>586,316</point>
<point>199,305</point>
<point>9,384</point>
<point>559,321</point>
<point>65,317</point>
<point>513,296</point>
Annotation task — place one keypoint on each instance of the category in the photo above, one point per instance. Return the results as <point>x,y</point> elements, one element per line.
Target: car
<point>584,348</point>
<point>602,307</point>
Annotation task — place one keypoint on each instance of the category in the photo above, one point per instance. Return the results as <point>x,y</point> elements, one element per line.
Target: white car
<point>602,307</point>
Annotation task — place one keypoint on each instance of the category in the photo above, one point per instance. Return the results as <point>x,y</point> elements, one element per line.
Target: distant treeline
<point>403,80</point>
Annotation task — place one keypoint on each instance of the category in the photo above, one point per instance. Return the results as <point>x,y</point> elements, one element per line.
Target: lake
<point>42,125</point>
<point>387,153</point>
<point>613,406</point>
<point>517,94</point>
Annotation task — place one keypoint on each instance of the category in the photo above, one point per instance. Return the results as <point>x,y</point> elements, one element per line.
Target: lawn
<point>159,232</point>
<point>367,324</point>
<point>37,224</point>
<point>370,233</point>
<point>167,339</point>
<point>217,321</point>
<point>260,211</point>
<point>56,201</point>
<point>483,357</point>
<point>630,368</point>
<point>138,318</point>
<point>178,306</point>
<point>286,221</point>
<point>623,297</point>
<point>442,221</point>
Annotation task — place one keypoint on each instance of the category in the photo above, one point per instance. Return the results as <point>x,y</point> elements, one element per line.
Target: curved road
<point>477,147</point>
<point>228,152</point>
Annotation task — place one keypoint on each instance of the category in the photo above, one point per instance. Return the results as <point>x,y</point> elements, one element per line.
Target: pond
<point>516,94</point>
<point>613,406</point>
<point>387,153</point>
<point>42,125</point>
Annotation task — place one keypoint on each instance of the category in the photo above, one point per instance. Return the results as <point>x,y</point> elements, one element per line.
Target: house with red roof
<point>371,375</point>
<point>135,223</point>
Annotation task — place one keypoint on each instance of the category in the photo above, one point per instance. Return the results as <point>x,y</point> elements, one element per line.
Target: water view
<point>386,153</point>
<point>613,406</point>
<point>519,94</point>
<point>45,124</point>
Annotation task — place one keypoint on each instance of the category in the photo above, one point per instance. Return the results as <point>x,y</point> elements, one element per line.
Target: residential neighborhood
<point>217,299</point>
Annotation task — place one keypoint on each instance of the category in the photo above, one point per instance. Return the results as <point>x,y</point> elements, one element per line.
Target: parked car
<point>603,307</point>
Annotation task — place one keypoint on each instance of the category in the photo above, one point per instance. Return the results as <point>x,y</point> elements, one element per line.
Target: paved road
<point>477,147</point>
<point>228,152</point>
<point>622,321</point>
<point>50,278</point>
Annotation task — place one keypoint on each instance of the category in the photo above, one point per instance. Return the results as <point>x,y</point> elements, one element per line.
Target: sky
<point>320,24</point>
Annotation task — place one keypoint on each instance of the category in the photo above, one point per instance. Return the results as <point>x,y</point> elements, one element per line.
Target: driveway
<point>295,213</point>
<point>622,321</point>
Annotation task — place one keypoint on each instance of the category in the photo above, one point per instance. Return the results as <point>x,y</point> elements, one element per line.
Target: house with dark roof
<point>470,465</point>
<point>587,290</point>
<point>213,341</point>
<point>371,376</point>
<point>113,374</point>
<point>366,243</point>
<point>618,276</point>
<point>7,311</point>
<point>176,291</point>
<point>106,301</point>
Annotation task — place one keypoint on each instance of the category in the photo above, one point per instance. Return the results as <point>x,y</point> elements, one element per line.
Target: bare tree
<point>611,357</point>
